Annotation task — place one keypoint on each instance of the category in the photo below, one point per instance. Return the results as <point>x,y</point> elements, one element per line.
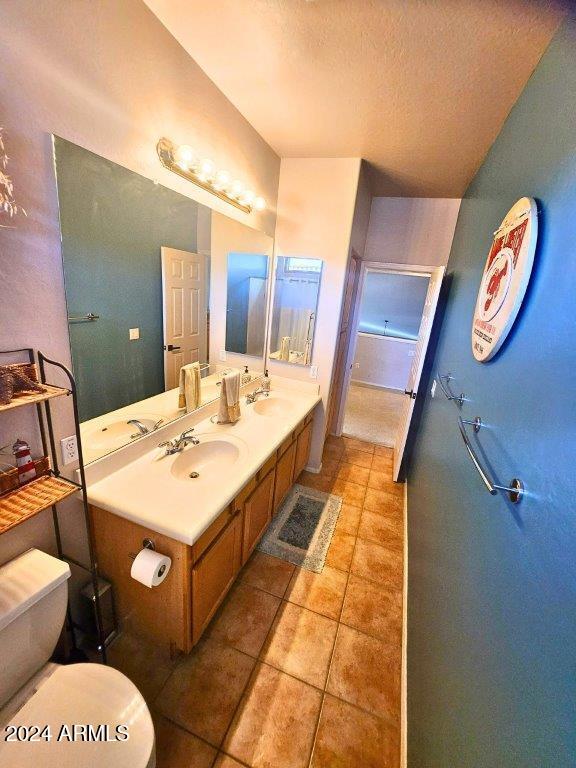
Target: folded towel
<point>285,348</point>
<point>229,410</point>
<point>189,396</point>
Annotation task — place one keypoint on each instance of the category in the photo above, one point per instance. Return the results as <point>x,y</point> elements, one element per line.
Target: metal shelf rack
<point>48,490</point>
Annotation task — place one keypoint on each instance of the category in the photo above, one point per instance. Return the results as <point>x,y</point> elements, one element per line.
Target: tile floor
<point>297,669</point>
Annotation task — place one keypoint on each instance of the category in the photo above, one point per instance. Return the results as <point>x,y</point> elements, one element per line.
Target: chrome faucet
<point>177,444</point>
<point>252,396</point>
<point>142,428</point>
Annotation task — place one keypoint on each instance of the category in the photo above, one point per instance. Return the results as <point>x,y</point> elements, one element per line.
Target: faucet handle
<point>164,444</point>
<point>186,432</point>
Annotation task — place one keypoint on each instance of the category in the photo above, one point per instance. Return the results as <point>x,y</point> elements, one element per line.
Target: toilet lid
<point>87,710</point>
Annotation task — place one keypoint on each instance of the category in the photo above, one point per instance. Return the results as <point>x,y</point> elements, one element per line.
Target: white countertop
<point>145,491</point>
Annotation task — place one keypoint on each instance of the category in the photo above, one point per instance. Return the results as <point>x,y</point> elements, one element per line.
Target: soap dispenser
<point>266,382</point>
<point>246,376</point>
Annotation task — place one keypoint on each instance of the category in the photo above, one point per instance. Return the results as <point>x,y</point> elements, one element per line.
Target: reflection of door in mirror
<point>185,302</point>
<point>296,292</point>
<point>247,282</point>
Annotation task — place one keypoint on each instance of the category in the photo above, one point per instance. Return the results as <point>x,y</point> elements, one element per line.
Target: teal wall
<point>113,224</point>
<point>492,587</point>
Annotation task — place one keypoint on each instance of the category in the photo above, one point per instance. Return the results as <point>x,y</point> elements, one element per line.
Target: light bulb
<point>222,180</point>
<point>236,188</point>
<point>184,156</point>
<point>247,197</point>
<point>259,204</point>
<point>205,169</point>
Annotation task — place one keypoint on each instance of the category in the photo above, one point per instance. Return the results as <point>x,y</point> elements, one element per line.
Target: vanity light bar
<point>183,161</point>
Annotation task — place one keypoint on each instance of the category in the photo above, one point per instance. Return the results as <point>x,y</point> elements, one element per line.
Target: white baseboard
<point>314,470</point>
<point>404,672</point>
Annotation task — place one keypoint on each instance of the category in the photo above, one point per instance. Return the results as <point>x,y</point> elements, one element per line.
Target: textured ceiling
<point>419,88</point>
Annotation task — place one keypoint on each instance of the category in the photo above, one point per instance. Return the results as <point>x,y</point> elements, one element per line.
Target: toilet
<point>73,716</point>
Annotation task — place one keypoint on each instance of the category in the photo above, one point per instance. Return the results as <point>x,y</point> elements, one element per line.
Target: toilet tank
<point>33,599</point>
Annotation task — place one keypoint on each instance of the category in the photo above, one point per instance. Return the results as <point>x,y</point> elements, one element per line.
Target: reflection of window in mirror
<point>247,288</point>
<point>392,304</point>
<point>296,292</point>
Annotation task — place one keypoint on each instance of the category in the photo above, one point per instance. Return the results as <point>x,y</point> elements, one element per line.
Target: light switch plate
<point>69,449</point>
<point>313,371</point>
<point>134,334</point>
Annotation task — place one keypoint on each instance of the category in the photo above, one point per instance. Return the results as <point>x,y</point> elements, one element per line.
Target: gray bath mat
<point>302,530</point>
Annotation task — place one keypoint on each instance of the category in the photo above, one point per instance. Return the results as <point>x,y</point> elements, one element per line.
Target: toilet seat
<point>78,695</point>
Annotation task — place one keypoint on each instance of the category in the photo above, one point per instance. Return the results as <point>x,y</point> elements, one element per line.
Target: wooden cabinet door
<point>257,514</point>
<point>302,450</point>
<point>214,573</point>
<point>284,475</point>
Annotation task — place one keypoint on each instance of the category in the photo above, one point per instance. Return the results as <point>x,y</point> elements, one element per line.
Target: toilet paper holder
<point>146,544</point>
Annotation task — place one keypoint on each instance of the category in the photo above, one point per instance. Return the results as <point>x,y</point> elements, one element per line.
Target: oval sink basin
<point>273,406</point>
<point>208,458</point>
<point>118,433</point>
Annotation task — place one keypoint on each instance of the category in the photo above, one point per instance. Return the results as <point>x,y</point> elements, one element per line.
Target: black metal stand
<point>44,413</point>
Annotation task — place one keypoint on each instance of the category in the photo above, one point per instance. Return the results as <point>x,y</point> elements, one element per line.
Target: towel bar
<point>89,318</point>
<point>515,490</point>
<point>447,391</point>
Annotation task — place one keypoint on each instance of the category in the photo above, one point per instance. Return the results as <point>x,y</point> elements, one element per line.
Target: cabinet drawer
<point>285,445</point>
<point>267,467</point>
<point>257,514</point>
<point>214,573</point>
<point>284,475</point>
<point>202,544</point>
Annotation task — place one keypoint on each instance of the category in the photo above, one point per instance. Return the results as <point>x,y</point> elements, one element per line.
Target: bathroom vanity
<point>208,525</point>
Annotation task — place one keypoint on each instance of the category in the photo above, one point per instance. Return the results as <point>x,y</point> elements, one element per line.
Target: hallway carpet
<point>297,669</point>
<point>372,414</point>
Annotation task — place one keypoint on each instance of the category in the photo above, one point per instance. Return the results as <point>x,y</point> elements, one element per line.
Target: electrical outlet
<point>134,333</point>
<point>313,371</point>
<point>222,355</point>
<point>356,365</point>
<point>69,449</point>
<point>433,390</point>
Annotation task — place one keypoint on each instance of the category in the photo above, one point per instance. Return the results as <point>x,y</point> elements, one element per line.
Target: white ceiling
<point>419,88</point>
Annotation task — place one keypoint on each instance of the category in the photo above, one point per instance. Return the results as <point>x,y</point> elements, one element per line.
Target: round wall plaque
<point>505,278</point>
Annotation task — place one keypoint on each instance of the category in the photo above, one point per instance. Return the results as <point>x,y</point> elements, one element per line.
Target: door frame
<point>368,266</point>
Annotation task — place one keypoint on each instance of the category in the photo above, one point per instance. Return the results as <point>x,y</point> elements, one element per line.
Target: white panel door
<point>185,300</point>
<point>417,364</point>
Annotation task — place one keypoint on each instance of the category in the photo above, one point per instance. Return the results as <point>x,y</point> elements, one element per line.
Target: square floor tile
<point>320,592</point>
<point>382,529</point>
<point>340,551</point>
<point>382,481</point>
<point>382,464</point>
<point>244,619</point>
<point>353,473</point>
<point>204,690</point>
<point>373,609</point>
<point>365,671</point>
<point>383,501</point>
<point>268,573</point>
<point>225,761</point>
<point>376,563</point>
<point>319,482</point>
<point>142,662</point>
<point>332,453</point>
<point>275,722</point>
<point>354,444</point>
<point>300,643</point>
<point>176,748</point>
<point>360,458</point>
<point>350,738</point>
<point>349,519</point>
<point>384,451</point>
<point>351,493</point>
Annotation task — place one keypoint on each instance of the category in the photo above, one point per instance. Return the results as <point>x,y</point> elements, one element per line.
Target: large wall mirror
<point>146,278</point>
<point>296,290</point>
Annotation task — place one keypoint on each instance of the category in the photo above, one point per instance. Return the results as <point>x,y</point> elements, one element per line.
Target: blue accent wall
<point>492,586</point>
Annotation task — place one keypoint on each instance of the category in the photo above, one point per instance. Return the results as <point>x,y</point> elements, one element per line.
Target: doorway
<point>391,327</point>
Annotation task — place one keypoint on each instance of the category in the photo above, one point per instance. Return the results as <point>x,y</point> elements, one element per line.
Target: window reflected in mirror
<point>246,298</point>
<point>296,291</point>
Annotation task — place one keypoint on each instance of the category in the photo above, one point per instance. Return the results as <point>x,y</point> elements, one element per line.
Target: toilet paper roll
<point>150,568</point>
